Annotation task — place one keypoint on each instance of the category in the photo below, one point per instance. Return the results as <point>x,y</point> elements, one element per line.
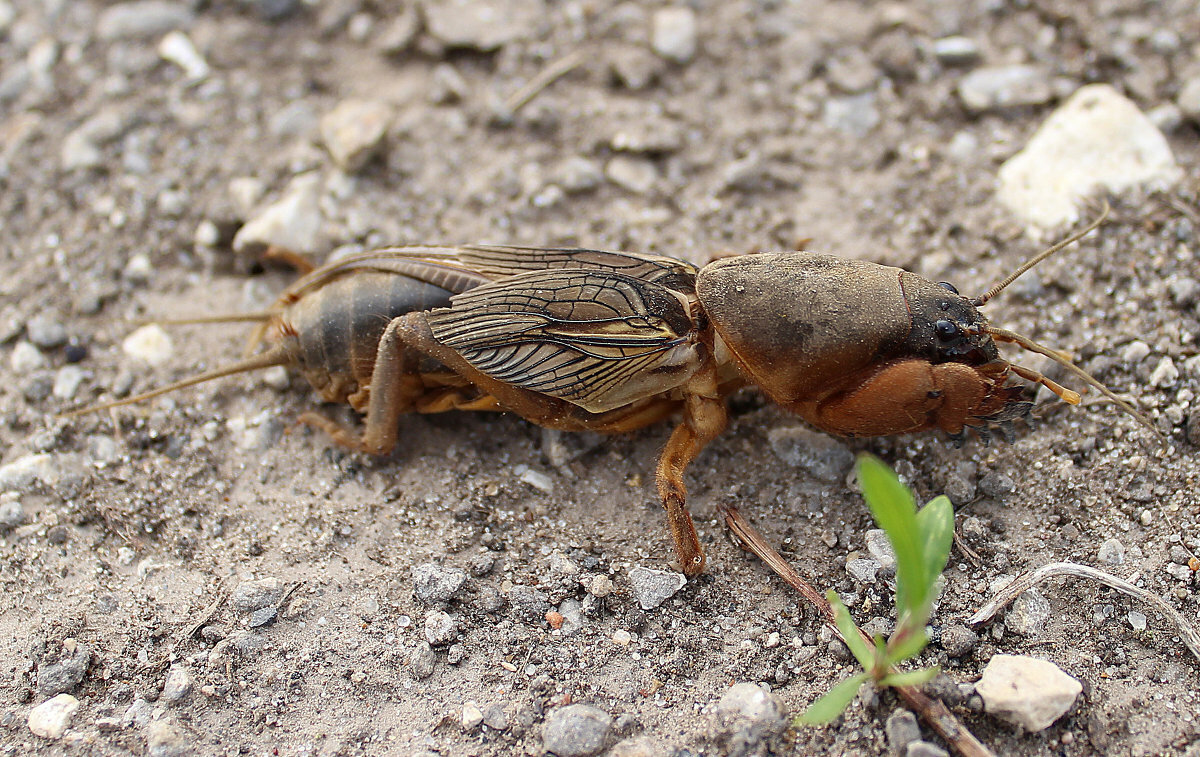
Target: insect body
<point>605,341</point>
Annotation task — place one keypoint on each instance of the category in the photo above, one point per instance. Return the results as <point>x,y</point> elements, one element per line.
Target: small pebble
<point>621,637</point>
<point>901,729</point>
<point>1137,620</point>
<point>855,115</point>
<point>249,596</point>
<point>820,455</point>
<point>1111,552</point>
<point>881,550</point>
<point>1135,352</point>
<point>996,485</point>
<point>63,676</point>
<point>956,51</point>
<point>578,174</point>
<point>262,617</point>
<point>481,564</point>
<point>1028,614</point>
<point>1165,374</point>
<point>421,661</point>
<point>482,25</point>
<point>164,739</point>
<point>354,132</point>
<point>294,222</point>
<point>571,611</point>
<point>925,749</point>
<point>958,640</point>
<point>748,714</point>
<point>1188,99</point>
<point>674,33</point>
<point>12,512</point>
<point>51,718</point>
<point>637,175</point>
<point>528,603</point>
<point>653,587</point>
<point>472,716</point>
<point>440,628</point>
<point>577,730</point>
<point>434,583</point>
<point>141,19</point>
<point>601,586</point>
<point>149,344</point>
<point>495,718</point>
<point>177,686</point>
<point>999,87</point>
<point>26,358</point>
<point>45,331</point>
<point>863,570</point>
<point>177,47</point>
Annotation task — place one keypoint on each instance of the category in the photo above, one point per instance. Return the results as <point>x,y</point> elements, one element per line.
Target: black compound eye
<point>947,330</point>
<point>948,285</point>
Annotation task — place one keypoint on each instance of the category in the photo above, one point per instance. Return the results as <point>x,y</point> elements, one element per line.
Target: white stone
<point>472,716</point>
<point>176,47</point>
<point>1026,691</point>
<point>653,587</point>
<point>1165,374</point>
<point>482,24</point>
<point>150,344</point>
<point>1096,140</point>
<point>26,358</point>
<point>674,35</point>
<point>294,222</point>
<point>51,718</point>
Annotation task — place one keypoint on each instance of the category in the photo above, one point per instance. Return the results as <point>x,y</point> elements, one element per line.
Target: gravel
<point>1028,614</point>
<point>674,34</point>
<point>65,675</point>
<point>51,718</point>
<point>901,729</point>
<point>422,660</point>
<point>177,685</point>
<point>249,596</point>
<point>440,628</point>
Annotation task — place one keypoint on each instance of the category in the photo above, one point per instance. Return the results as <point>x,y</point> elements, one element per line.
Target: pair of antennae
<point>1061,358</point>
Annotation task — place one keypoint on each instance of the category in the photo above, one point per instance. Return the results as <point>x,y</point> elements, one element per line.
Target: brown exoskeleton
<point>606,341</point>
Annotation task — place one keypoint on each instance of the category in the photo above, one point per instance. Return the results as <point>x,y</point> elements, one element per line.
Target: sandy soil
<point>122,181</point>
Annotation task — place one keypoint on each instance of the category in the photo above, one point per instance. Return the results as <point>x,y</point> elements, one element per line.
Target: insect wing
<point>503,261</point>
<point>599,340</point>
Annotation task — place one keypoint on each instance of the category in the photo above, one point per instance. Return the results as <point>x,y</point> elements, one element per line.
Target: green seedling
<point>921,541</point>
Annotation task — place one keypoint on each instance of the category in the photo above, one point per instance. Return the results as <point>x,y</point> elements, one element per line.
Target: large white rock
<point>1096,140</point>
<point>294,222</point>
<point>1026,691</point>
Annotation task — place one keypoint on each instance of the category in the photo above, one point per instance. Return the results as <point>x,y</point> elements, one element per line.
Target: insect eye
<point>946,330</point>
<point>948,285</point>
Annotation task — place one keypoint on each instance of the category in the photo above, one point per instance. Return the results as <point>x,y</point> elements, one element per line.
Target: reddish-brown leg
<point>908,395</point>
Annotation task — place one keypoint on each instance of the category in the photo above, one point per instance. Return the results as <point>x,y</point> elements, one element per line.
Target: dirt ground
<point>206,576</point>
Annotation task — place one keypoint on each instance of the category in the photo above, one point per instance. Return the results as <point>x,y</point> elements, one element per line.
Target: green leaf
<point>907,645</point>
<point>835,701</point>
<point>911,677</point>
<point>845,625</point>
<point>894,509</point>
<point>936,523</point>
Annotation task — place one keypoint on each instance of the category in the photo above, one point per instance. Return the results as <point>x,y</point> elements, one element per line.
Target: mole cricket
<point>578,339</point>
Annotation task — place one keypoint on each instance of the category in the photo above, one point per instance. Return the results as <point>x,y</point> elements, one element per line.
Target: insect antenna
<point>274,356</point>
<point>257,317</point>
<point>989,294</point>
<point>1004,335</point>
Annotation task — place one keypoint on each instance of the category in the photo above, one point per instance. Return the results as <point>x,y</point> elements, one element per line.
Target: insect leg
<point>395,386</point>
<point>704,418</point>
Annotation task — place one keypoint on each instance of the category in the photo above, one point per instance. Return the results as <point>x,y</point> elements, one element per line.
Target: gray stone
<point>495,718</point>
<point>902,729</point>
<point>294,222</point>
<point>653,587</point>
<point>996,485</point>
<point>958,640</point>
<point>1096,140</point>
<point>45,331</point>
<point>354,132</point>
<point>1028,614</point>
<point>572,612</point>
<point>642,746</point>
<point>273,10</point>
<point>821,456</point>
<point>881,550</point>
<point>264,616</point>
<point>577,730</point>
<point>25,473</point>
<point>637,175</point>
<point>999,87</point>
<point>851,70</point>
<point>435,584</point>
<point>956,51</point>
<point>165,739</point>
<point>863,570</point>
<point>1111,552</point>
<point>81,147</point>
<point>1027,692</point>
<point>63,676</point>
<point>925,749</point>
<point>12,512</point>
<point>578,174</point>
<point>421,661</point>
<point>142,19</point>
<point>528,603</point>
<point>482,24</point>
<point>249,596</point>
<point>440,628</point>
<point>855,115</point>
<point>177,686</point>
<point>138,713</point>
<point>1137,620</point>
<point>674,33</point>
<point>1189,99</point>
<point>51,718</point>
<point>747,714</point>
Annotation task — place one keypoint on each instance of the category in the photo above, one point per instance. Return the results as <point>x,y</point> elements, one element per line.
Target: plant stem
<point>935,714</point>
